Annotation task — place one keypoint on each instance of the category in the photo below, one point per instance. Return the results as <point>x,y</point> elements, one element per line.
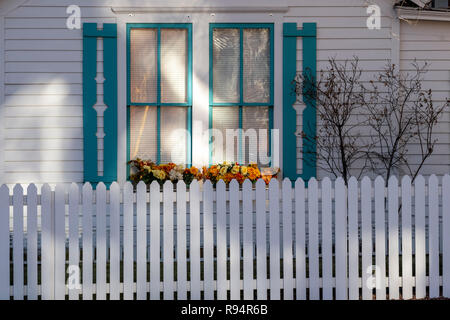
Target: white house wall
<point>43,72</point>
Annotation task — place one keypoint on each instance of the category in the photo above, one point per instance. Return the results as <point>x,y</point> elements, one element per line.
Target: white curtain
<point>143,133</point>
<point>173,134</point>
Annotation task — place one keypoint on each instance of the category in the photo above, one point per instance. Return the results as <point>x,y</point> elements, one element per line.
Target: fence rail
<point>327,241</point>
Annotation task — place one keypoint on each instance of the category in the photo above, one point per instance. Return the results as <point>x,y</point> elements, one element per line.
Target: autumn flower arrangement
<point>148,171</point>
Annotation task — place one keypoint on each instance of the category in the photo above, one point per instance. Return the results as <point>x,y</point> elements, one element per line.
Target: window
<point>159,92</point>
<point>241,92</point>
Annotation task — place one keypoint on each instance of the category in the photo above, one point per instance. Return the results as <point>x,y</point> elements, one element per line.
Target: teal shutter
<point>290,34</point>
<point>109,35</point>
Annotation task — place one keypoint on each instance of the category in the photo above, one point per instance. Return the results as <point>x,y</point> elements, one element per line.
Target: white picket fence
<point>280,242</point>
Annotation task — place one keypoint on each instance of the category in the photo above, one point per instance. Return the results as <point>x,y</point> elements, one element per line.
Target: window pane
<point>226,65</point>
<point>143,133</point>
<point>173,134</point>
<point>143,44</point>
<point>224,118</point>
<point>256,142</point>
<point>173,65</point>
<point>256,53</point>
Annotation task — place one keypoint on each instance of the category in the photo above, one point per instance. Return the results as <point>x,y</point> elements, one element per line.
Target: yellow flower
<point>223,170</point>
<point>244,170</point>
<point>235,170</point>
<point>159,174</point>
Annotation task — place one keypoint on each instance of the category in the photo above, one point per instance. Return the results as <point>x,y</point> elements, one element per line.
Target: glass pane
<point>173,135</point>
<point>255,124</point>
<point>225,118</point>
<point>143,133</point>
<point>173,65</point>
<point>143,44</point>
<point>226,65</point>
<point>256,53</point>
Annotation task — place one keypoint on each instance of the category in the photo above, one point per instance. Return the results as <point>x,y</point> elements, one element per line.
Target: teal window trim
<point>290,34</point>
<point>241,103</point>
<point>158,103</point>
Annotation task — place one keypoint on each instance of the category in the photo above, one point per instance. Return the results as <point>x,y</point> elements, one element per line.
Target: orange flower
<point>193,170</point>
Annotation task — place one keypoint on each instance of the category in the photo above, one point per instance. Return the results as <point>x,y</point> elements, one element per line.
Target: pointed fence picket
<point>220,242</point>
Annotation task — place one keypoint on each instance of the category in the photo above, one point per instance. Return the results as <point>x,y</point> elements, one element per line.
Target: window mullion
<point>158,96</point>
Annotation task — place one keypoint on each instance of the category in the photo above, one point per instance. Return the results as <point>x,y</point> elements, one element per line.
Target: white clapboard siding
<point>327,240</point>
<point>313,240</point>
<point>406,239</point>
<point>235,250</point>
<point>4,243</point>
<point>353,240</point>
<point>312,250</point>
<point>32,243</point>
<point>393,214</point>
<point>274,253</point>
<point>208,240</point>
<point>300,246</point>
<point>167,241</point>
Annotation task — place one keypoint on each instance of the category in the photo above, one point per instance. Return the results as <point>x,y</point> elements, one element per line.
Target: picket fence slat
<point>341,240</point>
<point>141,241</point>
<point>261,240</point>
<point>406,239</point>
<point>394,282</point>
<point>32,243</point>
<point>235,250</point>
<point>319,241</point>
<point>247,212</point>
<point>288,273</point>
<point>74,250</point>
<point>433,235</point>
<point>274,220</point>
<point>128,261</point>
<point>181,242</point>
<point>446,235</point>
<point>366,238</point>
<point>195,240</point>
<point>155,255</point>
<point>18,243</point>
<point>420,271</point>
<point>60,243</point>
<point>353,241</point>
<point>221,242</point>
<point>4,243</point>
<point>313,240</point>
<point>208,241</point>
<point>47,253</point>
<point>100,250</point>
<point>380,239</point>
<point>168,242</point>
<point>327,240</point>
<point>114,287</point>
